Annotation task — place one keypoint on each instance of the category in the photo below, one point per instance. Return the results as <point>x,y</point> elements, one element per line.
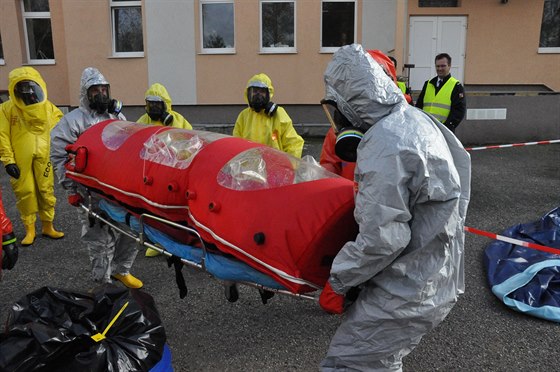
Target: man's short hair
<point>444,55</point>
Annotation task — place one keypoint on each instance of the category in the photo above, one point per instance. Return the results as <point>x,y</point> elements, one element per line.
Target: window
<point>277,26</point>
<point>550,27</point>
<point>438,3</point>
<point>218,34</point>
<point>338,24</point>
<point>38,34</point>
<point>126,18</point>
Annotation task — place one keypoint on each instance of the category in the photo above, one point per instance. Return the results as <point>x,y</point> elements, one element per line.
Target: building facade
<point>204,51</point>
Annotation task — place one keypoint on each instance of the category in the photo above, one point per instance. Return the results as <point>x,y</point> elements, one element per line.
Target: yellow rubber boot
<point>49,231</point>
<point>29,235</point>
<point>152,252</point>
<point>129,280</point>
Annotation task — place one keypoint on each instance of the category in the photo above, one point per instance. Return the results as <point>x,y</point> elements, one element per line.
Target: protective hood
<point>158,90</point>
<point>90,77</point>
<point>353,73</point>
<point>260,80</point>
<point>385,62</point>
<point>25,73</point>
<point>34,115</point>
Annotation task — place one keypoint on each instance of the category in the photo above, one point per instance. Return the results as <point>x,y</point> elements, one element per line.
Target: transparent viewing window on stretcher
<point>265,168</point>
<point>171,147</point>
<point>254,169</point>
<point>116,133</point>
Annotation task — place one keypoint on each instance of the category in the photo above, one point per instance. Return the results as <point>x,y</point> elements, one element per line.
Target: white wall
<point>378,24</point>
<point>171,55</point>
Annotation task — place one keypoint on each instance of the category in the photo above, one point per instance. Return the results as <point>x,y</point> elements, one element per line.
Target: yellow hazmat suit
<point>158,91</point>
<point>25,141</point>
<point>274,130</point>
<point>154,93</point>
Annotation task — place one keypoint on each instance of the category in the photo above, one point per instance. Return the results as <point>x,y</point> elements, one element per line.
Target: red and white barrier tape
<point>506,239</point>
<point>512,145</point>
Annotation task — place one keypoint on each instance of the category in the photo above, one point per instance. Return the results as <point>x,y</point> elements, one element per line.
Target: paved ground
<point>207,333</point>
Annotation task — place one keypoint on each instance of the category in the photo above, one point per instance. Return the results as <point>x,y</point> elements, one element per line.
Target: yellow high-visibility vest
<point>439,105</point>
<point>402,85</point>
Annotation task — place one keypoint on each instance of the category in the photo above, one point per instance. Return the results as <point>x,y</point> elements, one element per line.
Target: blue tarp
<point>222,267</point>
<point>526,279</point>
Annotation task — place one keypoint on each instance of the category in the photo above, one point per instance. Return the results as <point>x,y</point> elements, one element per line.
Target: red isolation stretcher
<point>240,210</point>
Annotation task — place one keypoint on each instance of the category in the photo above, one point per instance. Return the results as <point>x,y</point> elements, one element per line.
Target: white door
<point>430,36</point>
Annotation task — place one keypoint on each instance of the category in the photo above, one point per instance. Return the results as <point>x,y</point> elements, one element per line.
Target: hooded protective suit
<point>413,190</point>
<point>328,159</point>
<point>25,141</point>
<point>276,131</point>
<point>109,251</point>
<point>158,90</point>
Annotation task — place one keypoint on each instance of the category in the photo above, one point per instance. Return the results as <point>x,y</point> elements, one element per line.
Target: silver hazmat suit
<point>109,251</point>
<point>413,179</point>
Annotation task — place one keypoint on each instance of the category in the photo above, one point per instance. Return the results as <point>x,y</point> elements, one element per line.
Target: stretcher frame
<point>141,241</point>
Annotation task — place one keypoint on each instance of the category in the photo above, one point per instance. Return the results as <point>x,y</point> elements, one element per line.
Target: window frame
<point>546,50</point>
<point>25,15</point>
<point>276,50</point>
<point>113,5</point>
<point>204,50</point>
<point>323,49</point>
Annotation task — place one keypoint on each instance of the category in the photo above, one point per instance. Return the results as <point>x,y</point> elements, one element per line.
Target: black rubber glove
<point>13,170</point>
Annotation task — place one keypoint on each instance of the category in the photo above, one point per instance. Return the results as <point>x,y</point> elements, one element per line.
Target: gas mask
<point>100,100</point>
<point>29,92</point>
<point>99,103</point>
<point>348,137</point>
<point>259,99</point>
<point>156,110</point>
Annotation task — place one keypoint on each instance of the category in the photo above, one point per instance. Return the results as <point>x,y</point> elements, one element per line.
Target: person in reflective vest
<point>444,96</point>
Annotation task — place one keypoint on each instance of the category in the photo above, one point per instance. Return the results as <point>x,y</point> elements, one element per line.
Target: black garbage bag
<point>51,330</point>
